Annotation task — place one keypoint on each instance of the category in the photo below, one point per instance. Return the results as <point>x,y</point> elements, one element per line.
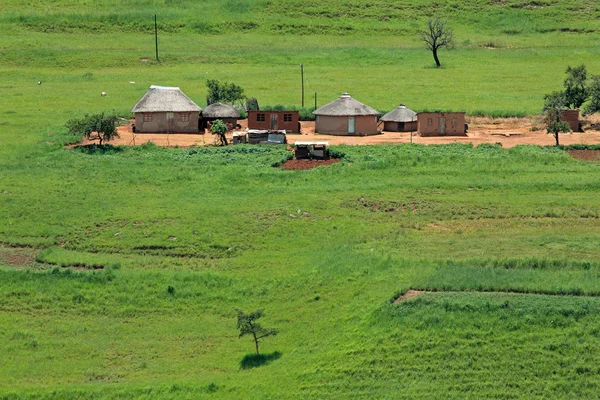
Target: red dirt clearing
<point>507,131</point>
<point>587,155</point>
<point>296,165</point>
<point>410,294</point>
<point>18,257</point>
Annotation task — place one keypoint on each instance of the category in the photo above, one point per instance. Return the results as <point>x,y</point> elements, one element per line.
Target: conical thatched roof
<point>400,114</point>
<point>165,99</point>
<point>344,106</point>
<point>220,110</point>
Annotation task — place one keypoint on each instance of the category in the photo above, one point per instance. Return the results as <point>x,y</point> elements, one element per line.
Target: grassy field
<point>505,240</point>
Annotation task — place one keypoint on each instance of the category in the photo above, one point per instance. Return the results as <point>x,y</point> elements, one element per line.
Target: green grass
<point>186,236</point>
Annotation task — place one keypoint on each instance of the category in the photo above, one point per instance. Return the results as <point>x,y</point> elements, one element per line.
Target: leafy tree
<point>99,127</point>
<point>436,36</point>
<point>554,100</point>
<point>223,92</point>
<point>247,325</point>
<point>594,95</point>
<point>575,91</point>
<point>252,104</point>
<point>555,123</point>
<point>219,128</point>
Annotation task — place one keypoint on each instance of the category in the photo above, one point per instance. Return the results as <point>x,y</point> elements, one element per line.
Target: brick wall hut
<point>346,116</point>
<point>400,119</point>
<point>274,120</point>
<point>571,117</point>
<point>225,112</point>
<point>441,123</point>
<point>166,110</point>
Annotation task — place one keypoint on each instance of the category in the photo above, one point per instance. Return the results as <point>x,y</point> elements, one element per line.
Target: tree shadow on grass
<point>258,360</point>
<point>99,149</point>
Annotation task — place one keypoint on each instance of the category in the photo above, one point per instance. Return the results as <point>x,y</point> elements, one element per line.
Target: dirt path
<point>507,131</point>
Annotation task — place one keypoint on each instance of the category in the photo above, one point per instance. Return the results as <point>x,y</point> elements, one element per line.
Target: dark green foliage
<point>247,325</point>
<point>101,127</point>
<point>593,89</point>
<point>554,100</point>
<point>218,127</point>
<point>224,92</point>
<point>576,92</point>
<point>252,104</point>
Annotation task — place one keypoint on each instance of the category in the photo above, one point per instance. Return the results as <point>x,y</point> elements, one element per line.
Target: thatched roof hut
<point>220,111</point>
<point>166,110</point>
<point>346,116</point>
<point>345,106</point>
<point>400,119</point>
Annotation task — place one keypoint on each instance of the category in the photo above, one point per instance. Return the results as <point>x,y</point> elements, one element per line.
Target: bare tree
<point>436,36</point>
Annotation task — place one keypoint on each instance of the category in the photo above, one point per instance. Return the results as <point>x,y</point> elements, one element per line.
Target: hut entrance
<point>442,126</point>
<point>274,121</point>
<point>170,122</point>
<point>351,128</point>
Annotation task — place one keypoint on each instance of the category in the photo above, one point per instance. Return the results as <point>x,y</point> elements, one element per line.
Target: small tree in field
<point>555,123</point>
<point>99,127</point>
<point>219,128</point>
<point>437,35</point>
<point>247,325</point>
<point>576,92</point>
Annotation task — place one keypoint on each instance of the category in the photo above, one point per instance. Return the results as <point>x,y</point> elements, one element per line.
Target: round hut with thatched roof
<point>225,112</point>
<point>165,109</point>
<point>400,119</point>
<point>346,116</point>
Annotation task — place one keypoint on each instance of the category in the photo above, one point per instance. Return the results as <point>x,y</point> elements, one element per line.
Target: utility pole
<point>315,100</point>
<point>302,72</point>
<point>156,36</point>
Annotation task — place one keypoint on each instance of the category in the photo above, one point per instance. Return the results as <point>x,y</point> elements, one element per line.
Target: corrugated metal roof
<point>165,99</point>
<point>220,110</point>
<point>400,114</point>
<point>344,106</point>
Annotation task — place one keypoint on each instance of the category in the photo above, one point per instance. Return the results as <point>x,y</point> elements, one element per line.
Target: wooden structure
<point>400,119</point>
<point>311,150</point>
<point>274,120</point>
<point>225,112</point>
<point>572,118</point>
<point>441,124</point>
<point>166,109</point>
<point>346,116</point>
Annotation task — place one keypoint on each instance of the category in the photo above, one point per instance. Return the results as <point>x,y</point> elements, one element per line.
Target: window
<point>147,117</point>
<point>429,121</point>
<point>185,117</point>
<point>454,122</point>
<point>260,117</point>
<point>287,117</point>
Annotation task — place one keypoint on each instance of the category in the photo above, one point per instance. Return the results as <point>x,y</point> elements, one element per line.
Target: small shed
<point>166,109</point>
<point>346,116</point>
<point>571,117</point>
<point>274,120</point>
<point>400,119</point>
<point>441,123</point>
<point>225,112</point>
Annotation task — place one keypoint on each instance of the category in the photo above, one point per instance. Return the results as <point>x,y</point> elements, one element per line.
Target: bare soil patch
<point>587,155</point>
<point>295,165</point>
<point>18,257</point>
<point>87,267</point>
<point>411,294</point>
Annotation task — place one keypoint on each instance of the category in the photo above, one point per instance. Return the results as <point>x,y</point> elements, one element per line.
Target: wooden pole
<point>302,72</point>
<point>156,36</point>
<point>315,100</point>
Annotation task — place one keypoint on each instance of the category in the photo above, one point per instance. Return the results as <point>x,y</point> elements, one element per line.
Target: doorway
<point>274,122</point>
<point>442,126</point>
<point>170,124</point>
<point>351,128</point>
